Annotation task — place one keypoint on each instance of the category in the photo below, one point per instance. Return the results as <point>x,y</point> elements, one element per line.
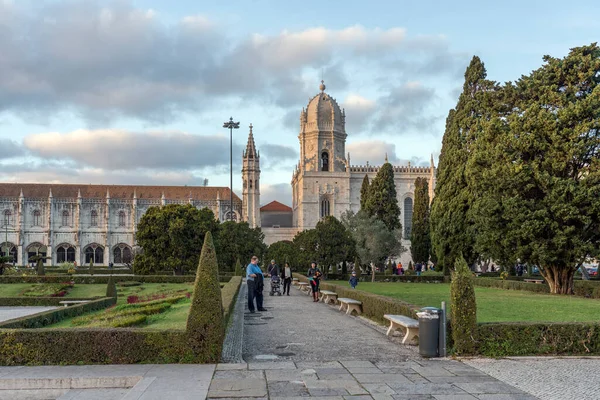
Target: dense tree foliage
<point>306,244</point>
<point>364,191</point>
<point>237,240</point>
<point>282,252</point>
<point>171,237</point>
<point>420,242</point>
<point>452,232</point>
<point>535,173</point>
<point>381,201</point>
<point>335,243</point>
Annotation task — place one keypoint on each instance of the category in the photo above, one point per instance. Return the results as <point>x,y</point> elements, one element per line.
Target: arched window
<point>37,249</point>
<point>230,216</point>
<point>94,252</point>
<point>10,249</point>
<point>408,213</point>
<point>324,208</point>
<point>7,217</point>
<point>65,218</point>
<point>36,217</point>
<point>325,161</point>
<point>94,218</point>
<point>250,181</point>
<point>65,253</point>
<point>121,218</point>
<point>122,254</point>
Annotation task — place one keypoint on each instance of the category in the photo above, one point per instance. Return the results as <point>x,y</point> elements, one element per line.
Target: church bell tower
<point>251,183</point>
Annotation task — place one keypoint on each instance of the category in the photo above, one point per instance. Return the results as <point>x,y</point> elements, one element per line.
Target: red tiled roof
<point>275,206</point>
<point>115,191</point>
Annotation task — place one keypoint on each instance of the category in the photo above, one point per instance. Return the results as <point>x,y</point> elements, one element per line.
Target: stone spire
<point>134,194</point>
<point>78,193</point>
<point>250,147</point>
<point>107,194</point>
<point>50,195</point>
<point>386,158</point>
<point>21,194</point>
<point>431,164</point>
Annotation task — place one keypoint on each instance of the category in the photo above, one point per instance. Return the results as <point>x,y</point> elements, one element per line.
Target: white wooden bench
<point>350,305</point>
<point>533,280</point>
<point>328,296</point>
<point>410,325</point>
<point>302,286</point>
<point>294,281</point>
<point>69,302</point>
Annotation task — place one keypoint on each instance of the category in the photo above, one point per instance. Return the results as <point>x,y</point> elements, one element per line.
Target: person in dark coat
<point>286,275</point>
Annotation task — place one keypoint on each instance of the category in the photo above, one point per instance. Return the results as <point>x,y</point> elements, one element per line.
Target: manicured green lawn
<point>493,305</point>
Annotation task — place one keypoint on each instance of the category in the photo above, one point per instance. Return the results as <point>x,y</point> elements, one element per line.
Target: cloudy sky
<point>136,92</point>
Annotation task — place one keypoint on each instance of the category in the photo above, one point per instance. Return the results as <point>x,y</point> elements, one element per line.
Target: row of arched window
<point>65,218</point>
<point>66,252</point>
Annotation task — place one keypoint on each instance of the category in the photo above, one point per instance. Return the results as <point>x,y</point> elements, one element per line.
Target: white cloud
<point>359,111</point>
<point>282,192</point>
<point>373,151</point>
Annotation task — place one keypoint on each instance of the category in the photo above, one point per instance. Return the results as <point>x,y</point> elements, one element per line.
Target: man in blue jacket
<point>254,280</point>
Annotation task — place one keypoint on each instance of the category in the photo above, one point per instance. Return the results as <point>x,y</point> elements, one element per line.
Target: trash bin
<point>429,328</point>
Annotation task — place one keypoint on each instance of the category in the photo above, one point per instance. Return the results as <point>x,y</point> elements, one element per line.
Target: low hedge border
<point>374,306</point>
<point>103,279</point>
<point>589,289</point>
<point>37,301</point>
<point>53,316</point>
<point>229,295</point>
<point>410,278</point>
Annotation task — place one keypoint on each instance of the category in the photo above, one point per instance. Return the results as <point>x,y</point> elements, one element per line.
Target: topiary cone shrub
<point>111,288</point>
<point>205,323</point>
<point>40,267</point>
<point>463,309</point>
<point>238,268</point>
<point>91,270</point>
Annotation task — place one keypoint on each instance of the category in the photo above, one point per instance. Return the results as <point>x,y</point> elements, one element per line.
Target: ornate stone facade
<point>84,222</point>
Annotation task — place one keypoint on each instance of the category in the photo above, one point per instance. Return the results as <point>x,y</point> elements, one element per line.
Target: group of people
<point>255,281</point>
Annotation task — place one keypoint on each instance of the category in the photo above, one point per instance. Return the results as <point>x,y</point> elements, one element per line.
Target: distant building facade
<point>80,223</point>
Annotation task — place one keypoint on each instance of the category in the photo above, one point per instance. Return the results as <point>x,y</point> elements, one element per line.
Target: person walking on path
<point>286,275</point>
<point>399,269</point>
<point>418,268</point>
<point>273,269</point>
<point>353,280</point>
<point>314,276</point>
<point>254,280</point>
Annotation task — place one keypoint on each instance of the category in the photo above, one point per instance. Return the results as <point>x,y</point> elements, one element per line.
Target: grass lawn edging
<point>589,289</point>
<point>229,294</point>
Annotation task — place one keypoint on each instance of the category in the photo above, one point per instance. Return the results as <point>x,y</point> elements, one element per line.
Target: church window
<point>256,184</point>
<point>65,218</point>
<point>65,253</point>
<point>408,213</point>
<point>9,249</point>
<point>324,208</point>
<point>94,218</point>
<point>122,254</point>
<point>94,252</point>
<point>250,184</point>
<point>325,161</point>
<point>36,218</point>
<point>7,216</point>
<point>121,218</point>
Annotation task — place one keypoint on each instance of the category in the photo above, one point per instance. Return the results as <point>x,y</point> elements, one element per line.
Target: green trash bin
<point>429,331</point>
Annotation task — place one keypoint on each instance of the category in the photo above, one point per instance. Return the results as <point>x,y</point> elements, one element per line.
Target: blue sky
<point>136,92</point>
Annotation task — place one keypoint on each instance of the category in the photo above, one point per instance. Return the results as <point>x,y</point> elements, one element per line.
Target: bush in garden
<point>463,309</point>
<point>111,288</point>
<point>205,324</point>
<point>238,268</point>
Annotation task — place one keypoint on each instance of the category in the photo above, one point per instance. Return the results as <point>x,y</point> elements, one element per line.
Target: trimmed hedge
<point>410,278</point>
<point>37,301</point>
<point>229,295</point>
<point>53,316</point>
<point>95,346</point>
<point>100,279</point>
<point>528,338</point>
<point>374,306</point>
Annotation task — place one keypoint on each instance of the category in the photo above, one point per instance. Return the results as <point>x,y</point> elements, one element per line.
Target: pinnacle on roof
<point>251,147</point>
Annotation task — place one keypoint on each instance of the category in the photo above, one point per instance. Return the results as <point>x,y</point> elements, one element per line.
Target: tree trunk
<point>560,280</point>
<point>372,272</point>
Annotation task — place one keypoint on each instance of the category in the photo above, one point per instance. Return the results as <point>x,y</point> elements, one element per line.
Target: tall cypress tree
<point>364,191</point>
<point>420,242</point>
<point>451,231</point>
<point>382,201</point>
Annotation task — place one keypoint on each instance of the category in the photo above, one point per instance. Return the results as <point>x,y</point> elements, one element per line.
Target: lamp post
<point>231,126</point>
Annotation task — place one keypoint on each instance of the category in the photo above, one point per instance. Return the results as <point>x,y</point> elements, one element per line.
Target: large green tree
<point>364,191</point>
<point>237,240</point>
<point>306,244</point>
<point>282,252</point>
<point>539,159</point>
<point>452,233</point>
<point>374,241</point>
<point>420,242</point>
<point>335,244</point>
<point>381,201</point>
<point>172,237</point>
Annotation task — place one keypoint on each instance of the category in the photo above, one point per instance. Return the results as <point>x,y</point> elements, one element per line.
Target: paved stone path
<point>7,313</point>
<point>548,378</point>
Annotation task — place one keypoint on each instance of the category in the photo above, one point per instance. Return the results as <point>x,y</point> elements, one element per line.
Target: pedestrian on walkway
<point>273,269</point>
<point>286,275</point>
<point>254,280</point>
<point>314,277</point>
<point>353,280</point>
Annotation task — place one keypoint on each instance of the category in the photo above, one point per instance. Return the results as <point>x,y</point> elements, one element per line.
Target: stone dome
<point>323,113</point>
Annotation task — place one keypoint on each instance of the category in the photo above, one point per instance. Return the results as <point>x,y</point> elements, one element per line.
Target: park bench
<point>294,281</point>
<point>67,303</point>
<point>410,325</point>
<point>350,305</point>
<point>302,286</point>
<point>533,280</point>
<point>328,296</point>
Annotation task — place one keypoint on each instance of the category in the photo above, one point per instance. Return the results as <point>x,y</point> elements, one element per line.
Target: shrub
<point>129,283</point>
<point>111,288</point>
<point>205,324</point>
<point>43,290</point>
<point>228,294</point>
<point>463,309</point>
<point>238,268</point>
<point>91,269</point>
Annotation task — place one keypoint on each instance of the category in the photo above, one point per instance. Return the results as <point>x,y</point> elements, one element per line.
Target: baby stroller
<point>275,286</point>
